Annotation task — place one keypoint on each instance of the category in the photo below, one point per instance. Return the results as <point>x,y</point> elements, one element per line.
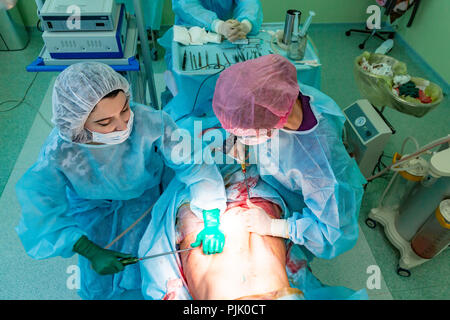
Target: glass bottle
<point>434,235</point>
<point>420,204</point>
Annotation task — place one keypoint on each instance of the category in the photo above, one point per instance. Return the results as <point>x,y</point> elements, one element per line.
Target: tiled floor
<point>14,81</point>
<point>23,132</point>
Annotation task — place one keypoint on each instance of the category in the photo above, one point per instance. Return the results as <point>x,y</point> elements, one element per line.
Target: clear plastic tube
<point>307,23</point>
<point>424,149</point>
<point>394,177</point>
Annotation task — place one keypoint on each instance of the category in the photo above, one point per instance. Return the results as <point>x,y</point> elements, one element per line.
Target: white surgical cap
<point>77,91</point>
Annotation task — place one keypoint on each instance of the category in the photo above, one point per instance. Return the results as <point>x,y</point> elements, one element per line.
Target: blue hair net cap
<point>77,91</point>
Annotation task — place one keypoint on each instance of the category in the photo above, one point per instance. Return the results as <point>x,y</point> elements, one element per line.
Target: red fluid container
<point>434,235</point>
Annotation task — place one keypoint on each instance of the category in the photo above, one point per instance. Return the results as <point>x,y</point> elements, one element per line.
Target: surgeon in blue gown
<point>295,134</point>
<point>97,173</point>
<point>234,19</point>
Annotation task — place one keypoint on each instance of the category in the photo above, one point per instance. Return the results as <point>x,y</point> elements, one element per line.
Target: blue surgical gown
<point>160,235</point>
<point>202,13</point>
<point>100,190</point>
<point>322,185</point>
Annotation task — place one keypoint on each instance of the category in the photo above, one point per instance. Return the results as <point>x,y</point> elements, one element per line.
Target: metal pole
<point>146,53</point>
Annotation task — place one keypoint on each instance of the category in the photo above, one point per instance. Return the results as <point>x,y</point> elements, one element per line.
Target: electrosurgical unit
<point>62,15</point>
<point>89,44</point>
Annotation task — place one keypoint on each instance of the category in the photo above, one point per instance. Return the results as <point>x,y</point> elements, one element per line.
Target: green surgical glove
<point>103,261</point>
<point>213,239</point>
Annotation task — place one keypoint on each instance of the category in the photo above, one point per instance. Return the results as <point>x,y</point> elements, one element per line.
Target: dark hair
<point>113,94</point>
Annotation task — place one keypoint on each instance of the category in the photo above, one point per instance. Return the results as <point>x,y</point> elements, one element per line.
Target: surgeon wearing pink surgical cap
<point>261,99</point>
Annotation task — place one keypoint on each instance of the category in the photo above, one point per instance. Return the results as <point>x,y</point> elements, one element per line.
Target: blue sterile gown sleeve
<point>205,183</point>
<point>322,184</point>
<point>202,13</point>
<point>99,190</point>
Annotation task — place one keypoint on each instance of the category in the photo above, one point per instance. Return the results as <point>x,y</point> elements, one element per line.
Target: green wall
<point>326,10</point>
<point>330,11</point>
<point>274,10</point>
<point>428,35</point>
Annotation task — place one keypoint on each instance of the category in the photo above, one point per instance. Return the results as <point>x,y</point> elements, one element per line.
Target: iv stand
<point>146,53</point>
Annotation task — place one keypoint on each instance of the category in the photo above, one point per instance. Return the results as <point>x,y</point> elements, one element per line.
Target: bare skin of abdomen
<point>249,264</point>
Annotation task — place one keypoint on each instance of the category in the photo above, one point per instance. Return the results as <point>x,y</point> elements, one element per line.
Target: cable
<point>25,102</point>
<point>409,138</point>
<point>38,25</point>
<point>386,189</point>
<point>377,168</point>
<point>393,167</point>
<point>28,42</point>
<point>130,227</point>
<point>402,152</point>
<point>8,50</point>
<point>42,116</point>
<point>424,149</point>
<point>23,98</point>
<point>199,88</point>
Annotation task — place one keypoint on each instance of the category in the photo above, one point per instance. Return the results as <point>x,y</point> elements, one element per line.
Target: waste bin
<point>13,35</point>
<point>378,88</point>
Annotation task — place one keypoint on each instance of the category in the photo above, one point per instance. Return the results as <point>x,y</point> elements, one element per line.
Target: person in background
<point>233,19</point>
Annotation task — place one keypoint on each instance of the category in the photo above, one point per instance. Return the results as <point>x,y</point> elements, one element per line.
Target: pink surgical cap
<point>256,94</point>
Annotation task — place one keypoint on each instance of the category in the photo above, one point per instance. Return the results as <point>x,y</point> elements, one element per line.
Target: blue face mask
<point>115,137</point>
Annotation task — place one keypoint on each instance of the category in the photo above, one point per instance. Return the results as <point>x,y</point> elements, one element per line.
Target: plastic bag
<point>378,89</point>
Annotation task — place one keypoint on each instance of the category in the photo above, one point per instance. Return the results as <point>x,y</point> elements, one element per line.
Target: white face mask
<point>115,137</point>
<point>251,141</point>
<point>256,136</point>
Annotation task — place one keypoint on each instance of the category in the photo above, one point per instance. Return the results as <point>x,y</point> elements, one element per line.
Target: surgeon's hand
<point>240,30</point>
<point>230,29</point>
<point>103,261</point>
<point>212,238</point>
<point>246,27</point>
<point>258,221</point>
